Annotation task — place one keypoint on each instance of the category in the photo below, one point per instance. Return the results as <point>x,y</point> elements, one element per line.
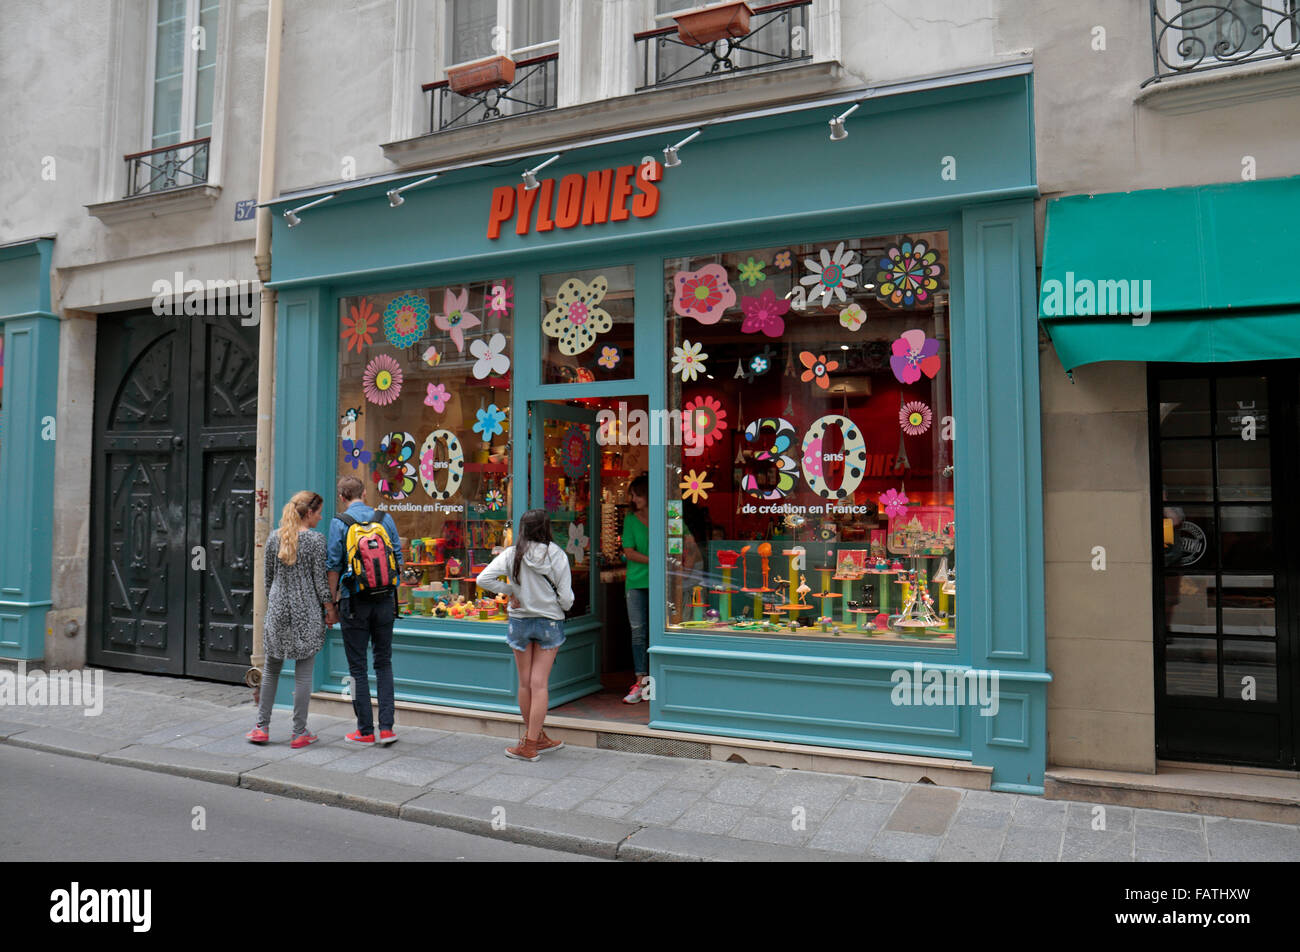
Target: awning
<point>1201,274</point>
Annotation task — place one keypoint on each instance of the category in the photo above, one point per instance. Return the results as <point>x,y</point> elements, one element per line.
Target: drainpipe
<point>266,329</point>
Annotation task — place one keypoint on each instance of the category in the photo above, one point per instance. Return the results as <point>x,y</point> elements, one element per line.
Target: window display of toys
<point>727,563</point>
<point>697,606</point>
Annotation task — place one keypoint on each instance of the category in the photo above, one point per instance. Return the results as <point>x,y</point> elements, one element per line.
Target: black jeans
<point>368,619</point>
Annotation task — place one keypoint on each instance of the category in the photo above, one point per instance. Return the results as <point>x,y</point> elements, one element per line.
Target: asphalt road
<point>54,807</point>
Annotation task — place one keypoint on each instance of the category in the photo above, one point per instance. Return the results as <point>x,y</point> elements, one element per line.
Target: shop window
<point>811,489</point>
<point>424,398</point>
<point>587,320</point>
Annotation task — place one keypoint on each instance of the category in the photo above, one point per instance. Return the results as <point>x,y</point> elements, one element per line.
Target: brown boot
<point>544,743</point>
<point>525,750</point>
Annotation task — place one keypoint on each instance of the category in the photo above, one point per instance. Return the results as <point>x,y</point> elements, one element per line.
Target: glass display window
<point>587,325</point>
<point>811,492</point>
<point>424,402</point>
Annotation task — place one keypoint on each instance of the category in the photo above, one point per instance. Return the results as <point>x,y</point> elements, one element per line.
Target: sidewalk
<point>613,804</point>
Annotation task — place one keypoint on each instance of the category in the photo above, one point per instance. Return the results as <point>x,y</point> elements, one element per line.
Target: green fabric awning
<point>1200,274</point>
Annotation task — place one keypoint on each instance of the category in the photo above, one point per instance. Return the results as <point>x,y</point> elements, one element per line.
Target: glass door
<point>1225,516</point>
<point>564,480</point>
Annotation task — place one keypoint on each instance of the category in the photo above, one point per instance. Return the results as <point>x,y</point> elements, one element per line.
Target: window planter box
<point>725,20</point>
<point>481,75</point>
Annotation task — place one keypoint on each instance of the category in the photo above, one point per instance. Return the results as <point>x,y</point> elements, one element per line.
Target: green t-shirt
<point>636,536</point>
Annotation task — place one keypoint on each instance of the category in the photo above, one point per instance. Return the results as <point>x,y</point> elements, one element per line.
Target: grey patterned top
<point>295,598</point>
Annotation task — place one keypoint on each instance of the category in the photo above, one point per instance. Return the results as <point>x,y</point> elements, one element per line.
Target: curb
<point>520,823</point>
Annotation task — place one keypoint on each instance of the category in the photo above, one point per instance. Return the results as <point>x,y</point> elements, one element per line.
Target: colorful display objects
<point>359,326</point>
<point>431,466</point>
<point>909,273</point>
<point>703,421</point>
<point>394,470</point>
<point>921,530</point>
<point>703,294</point>
<point>914,418</point>
<point>382,380</point>
<point>405,320</point>
<point>764,314</point>
<point>776,436</point>
<point>576,318</point>
<point>832,276</point>
<point>573,452</point>
<point>914,354</point>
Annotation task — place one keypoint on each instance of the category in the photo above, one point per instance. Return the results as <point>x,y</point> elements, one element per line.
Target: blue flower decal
<point>355,453</point>
<point>489,422</point>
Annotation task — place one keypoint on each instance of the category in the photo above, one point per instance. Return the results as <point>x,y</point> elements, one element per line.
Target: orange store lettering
<point>598,197</point>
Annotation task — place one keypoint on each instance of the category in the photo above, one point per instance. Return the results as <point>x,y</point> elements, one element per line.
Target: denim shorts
<point>547,632</point>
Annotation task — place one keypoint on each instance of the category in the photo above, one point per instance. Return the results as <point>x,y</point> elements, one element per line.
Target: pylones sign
<point>593,199</point>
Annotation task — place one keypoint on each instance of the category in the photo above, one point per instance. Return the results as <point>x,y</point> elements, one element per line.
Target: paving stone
<point>212,768</point>
<point>566,793</point>
<point>467,776</point>
<point>416,771</point>
<point>322,785</point>
<point>925,810</point>
<point>511,787</point>
<point>1168,840</point>
<point>1082,815</point>
<point>1251,841</point>
<point>656,844</point>
<point>360,759</point>
<point>911,847</point>
<point>1031,844</point>
<point>707,816</point>
<point>605,808</point>
<point>553,766</point>
<point>320,753</point>
<point>184,743</point>
<point>239,747</point>
<point>739,790</point>
<point>1034,813</point>
<point>981,819</point>
<point>851,826</point>
<point>664,807</point>
<point>872,788</point>
<point>970,845</point>
<point>702,775</point>
<point>466,748</point>
<point>768,829</point>
<point>1095,846</point>
<point>1167,820</point>
<point>633,787</point>
<point>597,769</point>
<point>1155,856</point>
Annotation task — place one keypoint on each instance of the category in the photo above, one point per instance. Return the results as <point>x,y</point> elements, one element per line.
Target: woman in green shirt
<point>636,549</point>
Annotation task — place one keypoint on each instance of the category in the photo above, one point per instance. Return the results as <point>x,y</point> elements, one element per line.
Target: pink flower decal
<point>426,465</point>
<point>894,503</point>
<point>914,418</point>
<point>812,457</point>
<point>703,294</point>
<point>382,380</point>
<point>914,354</point>
<point>500,299</point>
<point>457,318</point>
<point>437,397</point>
<point>764,314</point>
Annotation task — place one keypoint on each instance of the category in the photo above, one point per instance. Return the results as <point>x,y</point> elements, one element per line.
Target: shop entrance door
<point>1227,574</point>
<point>171,543</point>
<point>564,479</point>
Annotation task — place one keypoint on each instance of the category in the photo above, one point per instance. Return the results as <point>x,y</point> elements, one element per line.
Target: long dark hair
<point>534,526</point>
<point>640,487</point>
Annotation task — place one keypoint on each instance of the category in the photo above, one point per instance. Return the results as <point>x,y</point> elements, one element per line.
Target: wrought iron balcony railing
<point>167,167</point>
<point>1188,36</point>
<point>533,90</point>
<point>778,36</point>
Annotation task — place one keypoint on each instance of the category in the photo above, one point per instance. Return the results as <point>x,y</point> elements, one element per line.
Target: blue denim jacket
<point>335,554</point>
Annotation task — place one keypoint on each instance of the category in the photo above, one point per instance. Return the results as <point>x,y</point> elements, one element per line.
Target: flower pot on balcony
<point>481,75</point>
<point>720,21</point>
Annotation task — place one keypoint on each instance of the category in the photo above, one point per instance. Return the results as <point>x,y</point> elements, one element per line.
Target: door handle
<point>178,441</point>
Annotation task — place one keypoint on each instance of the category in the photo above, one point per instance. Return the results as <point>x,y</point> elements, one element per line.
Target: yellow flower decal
<point>576,320</point>
<point>695,486</point>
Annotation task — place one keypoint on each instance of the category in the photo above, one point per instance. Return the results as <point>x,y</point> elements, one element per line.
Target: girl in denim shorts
<point>534,572</point>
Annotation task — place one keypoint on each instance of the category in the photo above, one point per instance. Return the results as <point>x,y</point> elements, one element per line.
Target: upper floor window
<point>514,28</point>
<point>1192,35</point>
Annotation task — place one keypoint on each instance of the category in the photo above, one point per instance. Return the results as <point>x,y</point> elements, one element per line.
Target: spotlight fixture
<point>671,160</point>
<point>291,215</point>
<point>395,194</point>
<point>530,177</point>
<point>838,131</point>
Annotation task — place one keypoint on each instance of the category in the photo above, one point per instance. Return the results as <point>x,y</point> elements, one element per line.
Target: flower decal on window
<point>491,356</point>
<point>832,276</point>
<point>355,452</point>
<point>852,317</point>
<point>819,368</point>
<point>782,260</point>
<point>894,503</point>
<point>551,498</point>
<point>914,354</point>
<point>457,318</point>
<point>609,357</point>
<point>405,320</point>
<point>703,421</point>
<point>382,380</point>
<point>432,357</point>
<point>500,299</point>
<point>703,294</point>
<point>695,486</point>
<point>688,361</point>
<point>489,422</point>
<point>751,272</point>
<point>359,326</point>
<point>576,319</point>
<point>909,274</point>
<point>914,418</point>
<point>437,397</point>
<point>759,364</point>
<point>763,314</point>
<point>578,541</point>
<point>573,452</point>
<point>494,499</point>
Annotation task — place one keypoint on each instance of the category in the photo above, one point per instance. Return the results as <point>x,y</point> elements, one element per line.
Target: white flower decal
<point>832,276</point>
<point>491,356</point>
<point>688,361</point>
<point>576,320</point>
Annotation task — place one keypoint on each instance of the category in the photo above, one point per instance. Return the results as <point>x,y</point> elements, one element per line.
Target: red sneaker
<point>386,738</point>
<point>357,737</point>
<point>302,740</point>
<point>257,736</point>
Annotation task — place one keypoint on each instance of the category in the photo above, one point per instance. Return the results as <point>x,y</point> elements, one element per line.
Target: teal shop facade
<point>952,156</point>
<point>27,439</point>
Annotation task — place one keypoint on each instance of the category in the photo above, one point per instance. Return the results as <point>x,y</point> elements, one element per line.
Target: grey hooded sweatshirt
<point>537,598</point>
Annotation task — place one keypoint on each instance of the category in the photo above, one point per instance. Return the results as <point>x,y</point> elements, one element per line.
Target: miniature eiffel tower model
<point>918,609</point>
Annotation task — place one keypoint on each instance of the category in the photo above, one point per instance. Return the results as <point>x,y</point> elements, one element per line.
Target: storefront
<point>1207,328</point>
<point>787,333</point>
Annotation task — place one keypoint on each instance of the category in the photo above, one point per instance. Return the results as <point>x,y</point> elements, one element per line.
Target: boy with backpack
<point>364,564</point>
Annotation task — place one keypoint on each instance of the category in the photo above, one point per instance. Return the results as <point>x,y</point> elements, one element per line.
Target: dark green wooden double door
<point>171,562</point>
